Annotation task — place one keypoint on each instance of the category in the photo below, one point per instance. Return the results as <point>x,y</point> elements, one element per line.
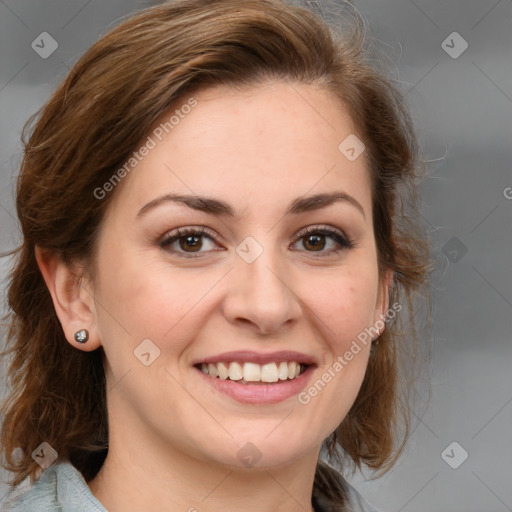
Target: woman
<point>214,268</point>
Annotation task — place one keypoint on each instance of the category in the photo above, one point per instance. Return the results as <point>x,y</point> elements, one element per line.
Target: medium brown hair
<point>96,118</point>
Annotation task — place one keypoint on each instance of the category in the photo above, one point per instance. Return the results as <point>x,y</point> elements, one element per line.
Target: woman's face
<point>244,239</point>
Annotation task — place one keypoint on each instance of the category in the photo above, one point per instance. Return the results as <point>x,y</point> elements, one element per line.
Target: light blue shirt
<point>62,488</point>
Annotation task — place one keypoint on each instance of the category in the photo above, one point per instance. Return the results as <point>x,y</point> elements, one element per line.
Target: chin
<point>256,450</point>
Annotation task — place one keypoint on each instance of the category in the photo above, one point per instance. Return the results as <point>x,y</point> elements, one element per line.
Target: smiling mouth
<point>254,373</point>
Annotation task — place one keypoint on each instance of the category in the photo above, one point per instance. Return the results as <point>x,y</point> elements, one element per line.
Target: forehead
<point>267,144</point>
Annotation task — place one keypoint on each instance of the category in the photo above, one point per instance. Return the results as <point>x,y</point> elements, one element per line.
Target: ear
<point>382,305</point>
<point>73,302</point>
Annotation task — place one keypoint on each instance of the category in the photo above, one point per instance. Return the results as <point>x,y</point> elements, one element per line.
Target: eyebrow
<point>218,207</point>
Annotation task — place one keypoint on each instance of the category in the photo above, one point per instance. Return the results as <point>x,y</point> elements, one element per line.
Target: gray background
<point>462,109</point>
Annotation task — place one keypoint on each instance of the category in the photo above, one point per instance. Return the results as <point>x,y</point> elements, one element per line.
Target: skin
<point>173,438</point>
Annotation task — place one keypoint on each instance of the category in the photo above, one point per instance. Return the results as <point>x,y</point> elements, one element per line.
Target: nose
<point>260,295</point>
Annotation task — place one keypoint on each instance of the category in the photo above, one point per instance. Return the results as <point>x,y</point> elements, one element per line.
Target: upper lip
<point>248,356</point>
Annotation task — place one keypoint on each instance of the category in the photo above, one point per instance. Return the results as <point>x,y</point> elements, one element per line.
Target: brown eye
<point>314,242</point>
<point>191,243</point>
<point>323,240</point>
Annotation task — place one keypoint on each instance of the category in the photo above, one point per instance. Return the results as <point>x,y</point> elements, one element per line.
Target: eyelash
<point>336,235</point>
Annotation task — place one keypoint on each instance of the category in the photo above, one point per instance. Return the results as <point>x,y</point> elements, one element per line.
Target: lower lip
<point>259,393</point>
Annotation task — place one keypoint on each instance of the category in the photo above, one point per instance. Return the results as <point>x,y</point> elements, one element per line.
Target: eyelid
<point>171,236</point>
<point>314,228</point>
<point>337,235</point>
<point>185,230</point>
<point>344,242</point>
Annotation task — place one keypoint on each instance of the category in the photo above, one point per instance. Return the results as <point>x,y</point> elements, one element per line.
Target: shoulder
<point>60,488</point>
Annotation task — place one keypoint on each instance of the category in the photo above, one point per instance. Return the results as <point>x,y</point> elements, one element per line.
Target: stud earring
<point>81,336</point>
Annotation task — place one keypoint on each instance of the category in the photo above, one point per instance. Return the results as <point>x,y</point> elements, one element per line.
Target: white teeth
<point>212,370</point>
<point>223,371</point>
<point>292,368</point>
<point>253,372</point>
<point>235,371</point>
<point>269,373</point>
<point>283,370</point>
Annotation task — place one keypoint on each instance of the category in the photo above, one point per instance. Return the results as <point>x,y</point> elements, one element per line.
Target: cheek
<point>140,298</point>
<point>341,307</point>
<point>343,303</point>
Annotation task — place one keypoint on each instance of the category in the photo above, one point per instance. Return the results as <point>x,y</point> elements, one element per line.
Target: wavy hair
<point>91,125</point>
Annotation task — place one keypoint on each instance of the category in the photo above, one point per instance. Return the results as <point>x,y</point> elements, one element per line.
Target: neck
<point>156,477</point>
